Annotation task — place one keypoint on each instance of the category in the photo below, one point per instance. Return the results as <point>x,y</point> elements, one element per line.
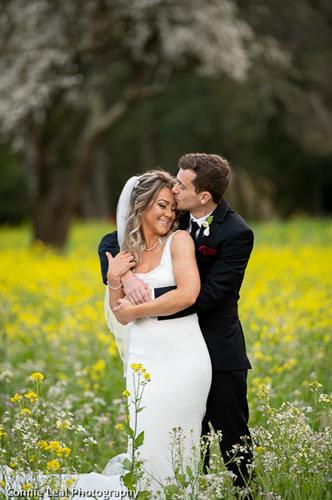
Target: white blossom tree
<point>70,70</point>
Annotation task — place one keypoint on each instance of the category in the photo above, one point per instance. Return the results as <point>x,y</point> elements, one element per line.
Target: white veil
<point>120,332</point>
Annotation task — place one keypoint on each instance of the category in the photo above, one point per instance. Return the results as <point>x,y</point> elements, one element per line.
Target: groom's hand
<point>135,290</point>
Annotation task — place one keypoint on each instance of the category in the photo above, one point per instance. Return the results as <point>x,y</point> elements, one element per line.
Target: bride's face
<point>158,218</point>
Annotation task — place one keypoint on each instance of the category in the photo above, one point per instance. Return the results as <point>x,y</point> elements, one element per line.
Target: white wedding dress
<point>174,353</point>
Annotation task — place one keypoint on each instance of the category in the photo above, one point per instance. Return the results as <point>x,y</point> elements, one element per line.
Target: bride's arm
<point>187,282</point>
<point>135,290</point>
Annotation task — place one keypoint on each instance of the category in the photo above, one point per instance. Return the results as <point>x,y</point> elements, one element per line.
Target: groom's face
<point>184,191</point>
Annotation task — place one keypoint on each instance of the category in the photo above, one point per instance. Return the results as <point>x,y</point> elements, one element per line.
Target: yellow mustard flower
<point>136,366</point>
<point>54,446</point>
<point>27,486</point>
<point>119,427</point>
<point>126,393</point>
<point>31,396</point>
<point>25,411</point>
<point>70,482</point>
<point>64,452</point>
<point>53,465</point>
<point>17,397</point>
<point>112,350</point>
<point>37,377</point>
<point>43,445</point>
<point>99,365</point>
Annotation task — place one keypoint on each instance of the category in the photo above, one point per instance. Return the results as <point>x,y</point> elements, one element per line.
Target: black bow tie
<point>194,228</point>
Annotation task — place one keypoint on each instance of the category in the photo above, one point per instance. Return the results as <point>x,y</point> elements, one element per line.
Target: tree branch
<point>102,123</point>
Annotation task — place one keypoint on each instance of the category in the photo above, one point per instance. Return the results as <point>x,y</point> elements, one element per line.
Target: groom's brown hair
<point>212,173</point>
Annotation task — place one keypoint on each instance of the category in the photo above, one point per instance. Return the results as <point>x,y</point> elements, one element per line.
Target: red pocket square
<point>207,250</point>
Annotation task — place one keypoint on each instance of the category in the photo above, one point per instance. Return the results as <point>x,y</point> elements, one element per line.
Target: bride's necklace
<point>148,249</point>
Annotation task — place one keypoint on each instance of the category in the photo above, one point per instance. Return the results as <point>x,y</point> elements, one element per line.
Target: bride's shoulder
<point>181,234</point>
<point>180,238</point>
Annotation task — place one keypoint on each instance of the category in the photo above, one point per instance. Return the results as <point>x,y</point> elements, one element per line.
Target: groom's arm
<point>225,275</point>
<point>109,243</point>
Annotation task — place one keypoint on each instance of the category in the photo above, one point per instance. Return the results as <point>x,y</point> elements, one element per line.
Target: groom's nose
<point>175,189</point>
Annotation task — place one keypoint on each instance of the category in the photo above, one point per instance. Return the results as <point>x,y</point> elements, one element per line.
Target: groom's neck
<point>203,210</point>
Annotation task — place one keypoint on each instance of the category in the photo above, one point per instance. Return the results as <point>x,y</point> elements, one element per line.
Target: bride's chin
<point>163,233</point>
<point>163,229</point>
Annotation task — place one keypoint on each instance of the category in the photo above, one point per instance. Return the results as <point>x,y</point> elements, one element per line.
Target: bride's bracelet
<point>113,287</point>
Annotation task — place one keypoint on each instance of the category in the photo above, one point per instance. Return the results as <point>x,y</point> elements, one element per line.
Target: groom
<point>223,244</point>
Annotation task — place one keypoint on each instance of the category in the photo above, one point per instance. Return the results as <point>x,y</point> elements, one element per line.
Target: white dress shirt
<point>199,221</point>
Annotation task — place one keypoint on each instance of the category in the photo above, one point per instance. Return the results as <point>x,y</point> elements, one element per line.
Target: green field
<point>52,322</point>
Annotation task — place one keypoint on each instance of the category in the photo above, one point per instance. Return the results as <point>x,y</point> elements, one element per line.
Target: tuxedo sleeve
<point>109,243</point>
<point>226,274</point>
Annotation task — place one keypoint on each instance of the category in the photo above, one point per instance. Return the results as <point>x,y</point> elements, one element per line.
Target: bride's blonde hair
<point>144,193</point>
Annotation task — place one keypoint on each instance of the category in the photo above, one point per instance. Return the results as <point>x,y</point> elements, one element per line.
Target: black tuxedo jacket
<point>222,257</point>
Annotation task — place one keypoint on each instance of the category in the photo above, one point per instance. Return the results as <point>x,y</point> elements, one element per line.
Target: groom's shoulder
<point>233,223</point>
<point>238,221</point>
<point>106,241</point>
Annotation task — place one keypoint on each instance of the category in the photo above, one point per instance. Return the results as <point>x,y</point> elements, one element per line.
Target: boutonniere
<point>206,224</point>
<point>204,250</point>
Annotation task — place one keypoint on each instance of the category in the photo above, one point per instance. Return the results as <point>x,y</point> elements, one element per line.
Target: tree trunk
<point>54,204</point>
<point>94,198</point>
<point>48,223</point>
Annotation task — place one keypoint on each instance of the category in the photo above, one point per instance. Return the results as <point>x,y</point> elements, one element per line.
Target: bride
<point>173,352</point>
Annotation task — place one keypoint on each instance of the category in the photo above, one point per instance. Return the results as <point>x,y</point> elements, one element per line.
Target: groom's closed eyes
<point>181,186</point>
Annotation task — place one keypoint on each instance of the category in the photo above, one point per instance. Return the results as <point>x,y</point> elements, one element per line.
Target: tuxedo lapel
<point>218,216</point>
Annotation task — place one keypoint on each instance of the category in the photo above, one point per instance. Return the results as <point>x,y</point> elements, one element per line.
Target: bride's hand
<point>119,265</point>
<point>124,312</point>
